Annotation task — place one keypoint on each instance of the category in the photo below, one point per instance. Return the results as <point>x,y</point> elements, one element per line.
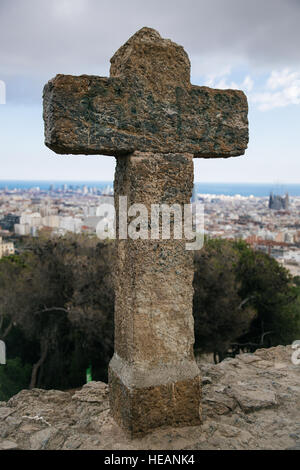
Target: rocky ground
<point>250,402</point>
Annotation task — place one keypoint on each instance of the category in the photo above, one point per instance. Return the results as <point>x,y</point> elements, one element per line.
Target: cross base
<point>139,408</point>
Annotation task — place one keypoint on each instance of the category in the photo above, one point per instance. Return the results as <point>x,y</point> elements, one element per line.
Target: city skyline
<point>259,220</point>
<point>217,188</point>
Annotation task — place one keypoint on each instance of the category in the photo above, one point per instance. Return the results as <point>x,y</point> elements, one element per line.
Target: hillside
<point>249,402</point>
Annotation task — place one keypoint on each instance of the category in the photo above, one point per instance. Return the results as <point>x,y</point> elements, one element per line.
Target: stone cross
<point>149,116</point>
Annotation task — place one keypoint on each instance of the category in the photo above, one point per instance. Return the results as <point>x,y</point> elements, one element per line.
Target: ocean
<point>229,189</point>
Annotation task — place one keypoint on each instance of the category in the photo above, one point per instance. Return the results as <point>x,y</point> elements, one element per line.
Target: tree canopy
<point>57,306</point>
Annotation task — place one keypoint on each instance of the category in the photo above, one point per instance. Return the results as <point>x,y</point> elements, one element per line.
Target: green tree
<point>11,269</point>
<point>272,294</point>
<point>70,309</point>
<point>14,376</point>
<point>221,314</point>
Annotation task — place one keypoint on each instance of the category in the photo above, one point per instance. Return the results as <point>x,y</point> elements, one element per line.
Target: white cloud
<point>247,84</point>
<point>282,88</point>
<point>211,78</point>
<point>282,78</point>
<point>222,81</point>
<point>223,84</point>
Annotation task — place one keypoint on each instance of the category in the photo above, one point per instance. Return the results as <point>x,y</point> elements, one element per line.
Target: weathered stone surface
<point>252,400</point>
<point>148,104</point>
<point>93,391</point>
<point>139,410</point>
<point>40,439</point>
<point>8,445</point>
<point>153,372</point>
<point>218,402</point>
<point>87,424</point>
<point>5,411</point>
<point>159,62</point>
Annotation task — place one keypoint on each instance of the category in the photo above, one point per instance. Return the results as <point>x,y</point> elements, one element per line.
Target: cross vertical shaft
<point>153,376</point>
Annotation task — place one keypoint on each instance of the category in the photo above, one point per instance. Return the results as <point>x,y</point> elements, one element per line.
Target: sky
<point>249,45</point>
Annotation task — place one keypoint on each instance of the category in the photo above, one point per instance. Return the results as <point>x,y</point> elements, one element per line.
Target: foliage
<point>244,299</point>
<point>57,304</point>
<point>221,314</point>
<point>14,376</point>
<point>273,295</point>
<point>58,296</point>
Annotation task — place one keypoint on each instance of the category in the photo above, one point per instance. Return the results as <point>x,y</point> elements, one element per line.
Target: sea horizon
<point>218,188</point>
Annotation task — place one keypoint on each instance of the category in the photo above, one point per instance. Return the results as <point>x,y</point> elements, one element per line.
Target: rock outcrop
<point>249,402</point>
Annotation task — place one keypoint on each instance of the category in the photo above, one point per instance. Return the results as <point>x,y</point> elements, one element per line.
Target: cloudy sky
<point>252,45</point>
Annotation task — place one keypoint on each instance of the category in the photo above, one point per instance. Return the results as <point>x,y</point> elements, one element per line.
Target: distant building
<point>108,191</point>
<point>22,229</point>
<point>8,222</point>
<point>33,219</point>
<point>36,201</point>
<point>70,224</point>
<point>6,248</point>
<point>278,203</point>
<point>51,221</point>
